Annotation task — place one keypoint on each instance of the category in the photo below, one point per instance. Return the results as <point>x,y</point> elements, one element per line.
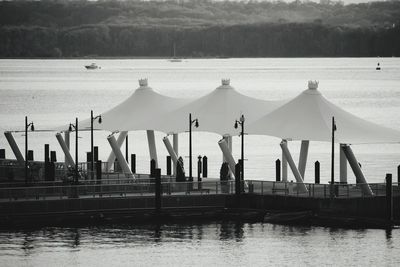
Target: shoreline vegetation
<point>198,28</point>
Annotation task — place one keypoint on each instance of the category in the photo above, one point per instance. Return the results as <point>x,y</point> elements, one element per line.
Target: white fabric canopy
<point>309,117</point>
<point>138,112</point>
<point>217,112</point>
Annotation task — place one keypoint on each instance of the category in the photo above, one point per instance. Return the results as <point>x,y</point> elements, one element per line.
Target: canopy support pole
<point>170,150</point>
<point>66,141</point>
<point>121,160</point>
<point>152,146</point>
<point>111,158</point>
<point>14,147</point>
<point>284,164</point>
<point>301,186</point>
<point>227,154</point>
<point>343,165</point>
<point>357,170</point>
<point>175,144</point>
<point>303,157</point>
<point>68,158</point>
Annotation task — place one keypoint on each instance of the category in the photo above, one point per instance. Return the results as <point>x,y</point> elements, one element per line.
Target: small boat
<point>92,66</point>
<point>174,58</point>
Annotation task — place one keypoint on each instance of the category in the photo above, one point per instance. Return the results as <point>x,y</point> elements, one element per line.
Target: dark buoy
<point>378,67</point>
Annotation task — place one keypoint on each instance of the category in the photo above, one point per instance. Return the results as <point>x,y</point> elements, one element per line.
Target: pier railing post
<point>157,175</point>
<point>389,198</point>
<point>152,168</point>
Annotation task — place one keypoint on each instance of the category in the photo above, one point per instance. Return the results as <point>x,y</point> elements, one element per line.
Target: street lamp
<point>26,145</point>
<point>241,123</point>
<point>92,119</point>
<point>196,124</point>
<point>71,126</point>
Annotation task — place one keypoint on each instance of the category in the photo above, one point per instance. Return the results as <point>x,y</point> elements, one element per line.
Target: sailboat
<point>174,58</point>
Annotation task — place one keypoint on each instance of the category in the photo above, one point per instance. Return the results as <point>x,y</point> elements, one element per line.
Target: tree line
<point>53,29</point>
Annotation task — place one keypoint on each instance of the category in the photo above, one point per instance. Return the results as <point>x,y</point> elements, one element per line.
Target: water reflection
<point>231,231</point>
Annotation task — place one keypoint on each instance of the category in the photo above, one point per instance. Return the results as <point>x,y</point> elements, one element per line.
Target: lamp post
<point>196,124</point>
<point>26,145</point>
<point>241,123</point>
<point>92,119</point>
<point>76,148</point>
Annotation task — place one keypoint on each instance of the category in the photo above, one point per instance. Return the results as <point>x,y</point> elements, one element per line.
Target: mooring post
<point>317,172</point>
<point>152,168</point>
<point>168,165</point>
<point>157,175</point>
<point>205,167</point>
<point>133,163</point>
<point>278,170</point>
<point>389,198</point>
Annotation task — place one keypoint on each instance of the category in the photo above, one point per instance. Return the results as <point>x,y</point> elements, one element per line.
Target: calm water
<point>208,244</point>
<point>54,92</point>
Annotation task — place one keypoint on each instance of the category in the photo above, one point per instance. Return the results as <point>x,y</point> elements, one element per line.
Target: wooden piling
<point>317,172</point>
<point>205,166</point>
<point>133,163</point>
<point>389,198</point>
<point>278,170</point>
<point>157,175</point>
<point>168,165</point>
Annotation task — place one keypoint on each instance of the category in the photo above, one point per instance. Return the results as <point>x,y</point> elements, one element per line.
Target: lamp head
<point>236,124</point>
<point>242,118</point>
<point>196,123</point>
<point>70,127</point>
<point>32,127</point>
<point>100,120</point>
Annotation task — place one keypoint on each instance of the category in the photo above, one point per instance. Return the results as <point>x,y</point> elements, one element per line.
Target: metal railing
<point>113,190</point>
<point>318,190</point>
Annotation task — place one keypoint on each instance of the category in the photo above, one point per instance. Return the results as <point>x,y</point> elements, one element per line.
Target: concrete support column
<point>14,147</point>
<point>228,140</point>
<point>68,158</point>
<point>170,150</point>
<point>302,188</point>
<point>120,157</point>
<point>175,144</point>
<point>284,165</point>
<point>111,158</point>
<point>303,157</point>
<point>343,165</point>
<point>227,154</point>
<point>357,170</point>
<point>152,146</point>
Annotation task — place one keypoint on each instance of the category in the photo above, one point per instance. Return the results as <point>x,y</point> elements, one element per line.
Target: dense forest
<point>198,28</point>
